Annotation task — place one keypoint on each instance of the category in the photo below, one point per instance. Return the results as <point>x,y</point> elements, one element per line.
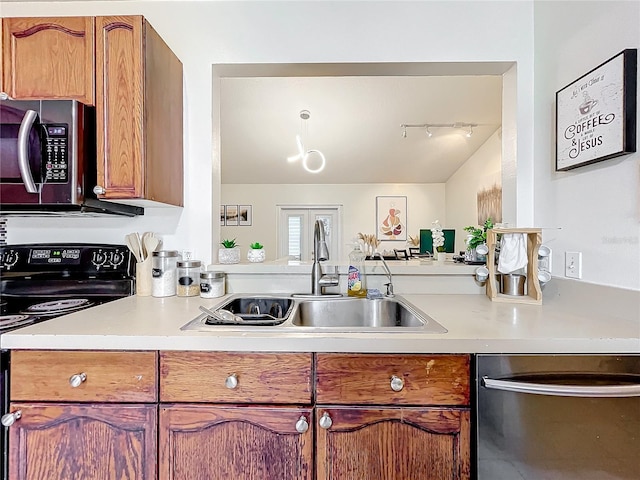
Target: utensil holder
<point>143,278</point>
<point>533,292</point>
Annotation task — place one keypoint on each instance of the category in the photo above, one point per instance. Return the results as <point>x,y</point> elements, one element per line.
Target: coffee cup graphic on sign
<point>586,106</point>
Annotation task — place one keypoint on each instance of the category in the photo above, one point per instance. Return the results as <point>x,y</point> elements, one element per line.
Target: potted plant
<point>229,253</point>
<point>475,237</point>
<point>256,253</point>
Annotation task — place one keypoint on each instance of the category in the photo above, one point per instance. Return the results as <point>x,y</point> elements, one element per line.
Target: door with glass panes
<point>295,230</point>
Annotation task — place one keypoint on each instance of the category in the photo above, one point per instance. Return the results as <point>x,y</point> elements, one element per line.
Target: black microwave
<point>48,158</point>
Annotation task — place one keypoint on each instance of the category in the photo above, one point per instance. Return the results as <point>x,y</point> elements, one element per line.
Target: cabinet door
<point>393,443</point>
<point>76,442</point>
<point>119,106</point>
<point>243,442</point>
<point>49,58</point>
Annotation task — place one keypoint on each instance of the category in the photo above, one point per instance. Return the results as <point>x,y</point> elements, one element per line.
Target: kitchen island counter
<point>474,324</point>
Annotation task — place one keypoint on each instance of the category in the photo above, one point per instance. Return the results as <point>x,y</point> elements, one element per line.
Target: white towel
<point>513,252</point>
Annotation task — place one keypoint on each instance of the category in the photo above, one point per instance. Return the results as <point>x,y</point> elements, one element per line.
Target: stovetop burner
<point>13,321</point>
<point>58,307</point>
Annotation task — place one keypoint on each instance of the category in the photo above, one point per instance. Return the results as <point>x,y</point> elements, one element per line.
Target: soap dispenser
<point>357,279</point>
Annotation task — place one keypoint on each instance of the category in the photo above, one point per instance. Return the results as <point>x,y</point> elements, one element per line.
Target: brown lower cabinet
<point>223,415</point>
<point>77,442</point>
<point>393,443</point>
<point>239,442</point>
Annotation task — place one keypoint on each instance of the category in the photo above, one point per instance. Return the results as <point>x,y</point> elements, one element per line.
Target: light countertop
<point>474,324</point>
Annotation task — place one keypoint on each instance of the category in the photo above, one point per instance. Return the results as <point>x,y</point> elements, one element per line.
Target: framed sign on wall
<point>596,114</point>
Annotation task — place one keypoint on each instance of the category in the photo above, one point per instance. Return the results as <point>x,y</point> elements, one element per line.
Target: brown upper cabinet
<point>50,58</point>
<point>122,66</point>
<point>138,112</point>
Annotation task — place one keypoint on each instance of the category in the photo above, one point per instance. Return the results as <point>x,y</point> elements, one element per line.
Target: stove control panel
<point>85,259</point>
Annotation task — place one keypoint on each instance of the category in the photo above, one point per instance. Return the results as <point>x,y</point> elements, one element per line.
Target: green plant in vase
<point>476,237</point>
<point>229,253</point>
<point>256,253</point>
<point>228,243</point>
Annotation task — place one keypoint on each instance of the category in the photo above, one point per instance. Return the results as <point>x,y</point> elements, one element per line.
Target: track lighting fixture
<point>429,126</point>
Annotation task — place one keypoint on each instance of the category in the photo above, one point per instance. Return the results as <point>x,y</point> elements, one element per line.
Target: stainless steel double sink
<point>315,313</point>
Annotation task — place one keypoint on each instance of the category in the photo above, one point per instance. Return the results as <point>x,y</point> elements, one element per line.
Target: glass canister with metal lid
<point>188,280</point>
<point>163,272</point>
<point>212,284</point>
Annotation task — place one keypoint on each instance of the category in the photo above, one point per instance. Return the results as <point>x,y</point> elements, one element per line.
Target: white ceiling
<point>355,121</point>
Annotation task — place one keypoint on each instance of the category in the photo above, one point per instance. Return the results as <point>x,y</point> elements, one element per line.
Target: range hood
<point>89,207</point>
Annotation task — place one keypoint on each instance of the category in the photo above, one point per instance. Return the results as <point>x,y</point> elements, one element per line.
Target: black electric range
<point>39,282</point>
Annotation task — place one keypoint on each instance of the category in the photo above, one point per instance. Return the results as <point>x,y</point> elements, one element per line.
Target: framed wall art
<point>391,218</point>
<point>245,214</point>
<point>596,114</point>
<point>222,219</point>
<point>231,215</point>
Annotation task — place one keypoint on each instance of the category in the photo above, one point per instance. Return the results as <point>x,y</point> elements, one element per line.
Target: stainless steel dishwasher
<point>558,417</point>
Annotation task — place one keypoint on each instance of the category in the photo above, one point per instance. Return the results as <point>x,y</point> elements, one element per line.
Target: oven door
<point>560,417</point>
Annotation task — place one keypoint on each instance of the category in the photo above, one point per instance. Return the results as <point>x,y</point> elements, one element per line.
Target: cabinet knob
<point>325,421</point>
<point>232,381</point>
<point>98,190</point>
<point>9,419</point>
<point>302,425</point>
<point>76,380</point>
<point>397,383</point>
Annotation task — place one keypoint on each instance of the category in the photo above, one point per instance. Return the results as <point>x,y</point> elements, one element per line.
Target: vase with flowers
<point>438,242</point>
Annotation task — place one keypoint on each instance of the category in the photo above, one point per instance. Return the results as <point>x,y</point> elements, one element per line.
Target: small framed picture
<point>231,215</point>
<point>596,114</point>
<point>245,215</point>
<point>222,217</point>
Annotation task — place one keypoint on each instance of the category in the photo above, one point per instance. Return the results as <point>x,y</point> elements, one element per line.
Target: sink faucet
<point>389,285</point>
<point>320,254</point>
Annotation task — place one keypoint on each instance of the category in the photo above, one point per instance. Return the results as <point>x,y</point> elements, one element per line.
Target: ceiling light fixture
<point>303,154</point>
<point>427,127</point>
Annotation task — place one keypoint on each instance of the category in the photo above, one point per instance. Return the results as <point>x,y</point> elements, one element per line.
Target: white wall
<point>593,209</point>
<point>482,170</point>
<point>206,33</point>
<point>425,203</point>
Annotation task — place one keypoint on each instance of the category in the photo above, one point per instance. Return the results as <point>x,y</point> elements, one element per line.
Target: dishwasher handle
<point>586,391</point>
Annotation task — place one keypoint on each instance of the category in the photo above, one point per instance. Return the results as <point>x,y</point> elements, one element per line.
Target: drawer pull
<point>325,421</point>
<point>9,419</point>
<point>302,425</point>
<point>76,380</point>
<point>231,382</point>
<point>397,383</point>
